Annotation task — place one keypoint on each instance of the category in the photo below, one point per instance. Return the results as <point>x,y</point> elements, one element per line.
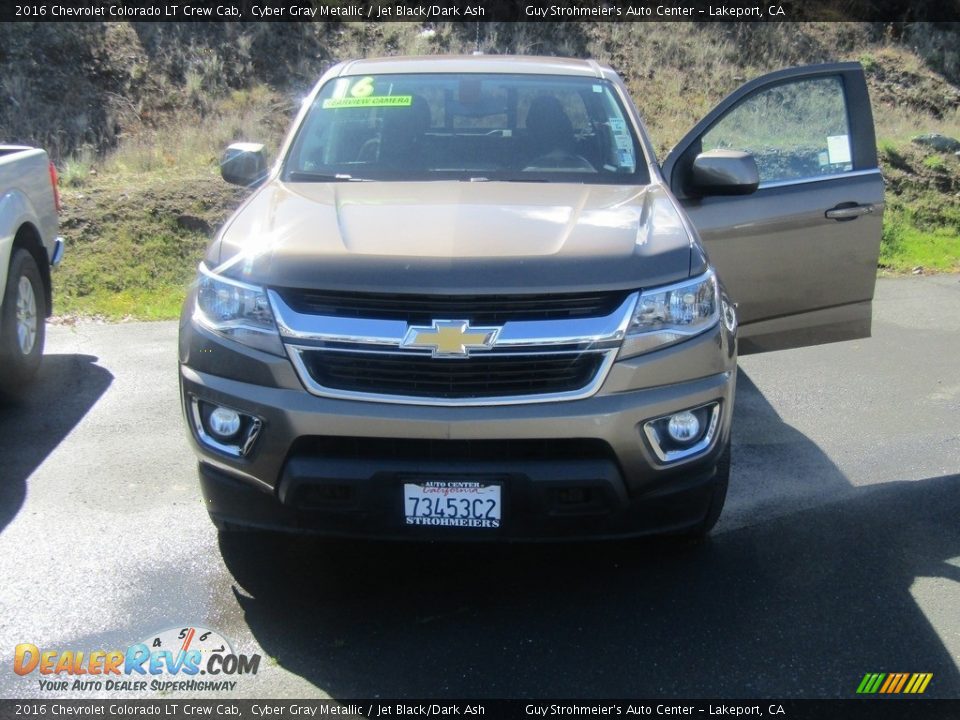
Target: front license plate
<point>452,503</point>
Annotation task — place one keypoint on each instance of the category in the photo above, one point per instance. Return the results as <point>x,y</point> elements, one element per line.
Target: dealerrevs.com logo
<point>186,659</point>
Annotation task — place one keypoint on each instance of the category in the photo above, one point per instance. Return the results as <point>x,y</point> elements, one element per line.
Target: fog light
<point>224,423</point>
<point>223,429</point>
<point>683,434</point>
<point>684,427</point>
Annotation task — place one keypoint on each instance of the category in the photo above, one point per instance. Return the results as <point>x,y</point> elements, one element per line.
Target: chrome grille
<point>534,360</point>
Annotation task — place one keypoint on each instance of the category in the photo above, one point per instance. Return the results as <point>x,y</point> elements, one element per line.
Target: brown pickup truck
<point>468,302</point>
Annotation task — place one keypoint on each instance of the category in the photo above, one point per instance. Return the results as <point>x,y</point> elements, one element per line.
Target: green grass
<point>137,228</point>
<point>159,303</point>
<point>921,225</point>
<point>132,254</point>
<point>139,271</point>
<point>76,169</point>
<point>909,243</point>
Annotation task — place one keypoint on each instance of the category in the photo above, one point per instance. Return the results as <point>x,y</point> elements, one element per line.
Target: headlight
<point>673,313</point>
<point>237,311</point>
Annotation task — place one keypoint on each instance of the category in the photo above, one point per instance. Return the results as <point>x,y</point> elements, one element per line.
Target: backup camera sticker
<point>384,101</point>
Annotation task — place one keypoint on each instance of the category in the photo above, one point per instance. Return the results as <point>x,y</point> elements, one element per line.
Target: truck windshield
<point>519,128</point>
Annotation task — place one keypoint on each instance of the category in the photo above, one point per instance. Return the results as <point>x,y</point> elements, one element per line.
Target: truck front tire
<point>22,322</point>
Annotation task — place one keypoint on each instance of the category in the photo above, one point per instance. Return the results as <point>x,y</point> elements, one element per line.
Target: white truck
<point>29,248</point>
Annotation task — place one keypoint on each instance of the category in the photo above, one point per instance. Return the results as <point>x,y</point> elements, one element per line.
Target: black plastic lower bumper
<point>541,500</point>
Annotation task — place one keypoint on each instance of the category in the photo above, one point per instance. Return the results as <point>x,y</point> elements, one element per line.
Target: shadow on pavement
<point>797,606</point>
<point>66,387</point>
<point>776,469</point>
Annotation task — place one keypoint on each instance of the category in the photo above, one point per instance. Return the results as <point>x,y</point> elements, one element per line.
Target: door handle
<point>848,212</point>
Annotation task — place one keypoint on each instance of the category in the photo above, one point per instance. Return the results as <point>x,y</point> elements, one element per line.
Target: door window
<point>795,131</point>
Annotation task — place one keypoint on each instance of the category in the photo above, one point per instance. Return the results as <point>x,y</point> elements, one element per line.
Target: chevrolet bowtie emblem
<point>450,338</point>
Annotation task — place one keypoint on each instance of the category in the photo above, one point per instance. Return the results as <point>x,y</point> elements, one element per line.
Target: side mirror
<point>244,164</point>
<point>724,172</point>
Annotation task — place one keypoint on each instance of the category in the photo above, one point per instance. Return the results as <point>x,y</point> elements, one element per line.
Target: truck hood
<point>452,237</point>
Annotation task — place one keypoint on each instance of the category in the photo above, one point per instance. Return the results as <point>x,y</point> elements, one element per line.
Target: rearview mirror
<point>724,172</point>
<point>244,164</point>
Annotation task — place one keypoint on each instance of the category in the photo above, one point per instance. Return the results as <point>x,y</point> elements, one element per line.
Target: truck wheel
<point>22,322</point>
<point>721,482</point>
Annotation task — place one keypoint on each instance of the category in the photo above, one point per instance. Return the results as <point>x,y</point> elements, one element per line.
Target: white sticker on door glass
<point>838,147</point>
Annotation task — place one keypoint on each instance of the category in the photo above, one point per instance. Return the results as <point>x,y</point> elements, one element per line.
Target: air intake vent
<point>478,309</point>
<point>427,377</point>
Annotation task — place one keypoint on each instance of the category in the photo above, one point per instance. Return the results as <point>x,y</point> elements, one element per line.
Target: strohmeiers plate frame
<point>462,502</point>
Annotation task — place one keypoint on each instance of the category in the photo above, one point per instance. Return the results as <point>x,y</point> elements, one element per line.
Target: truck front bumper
<point>576,469</point>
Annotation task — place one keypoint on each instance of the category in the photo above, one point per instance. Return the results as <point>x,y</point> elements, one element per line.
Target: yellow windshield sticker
<point>384,101</point>
<point>362,88</point>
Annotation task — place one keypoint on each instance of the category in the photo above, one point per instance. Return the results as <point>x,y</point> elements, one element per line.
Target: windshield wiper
<point>484,179</point>
<point>300,176</point>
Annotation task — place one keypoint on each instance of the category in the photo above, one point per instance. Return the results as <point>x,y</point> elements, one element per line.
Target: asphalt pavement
<point>838,553</point>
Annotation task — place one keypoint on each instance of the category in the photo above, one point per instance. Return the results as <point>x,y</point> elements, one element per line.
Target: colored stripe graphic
<point>903,681</point>
<point>918,683</point>
<point>894,683</point>
<point>870,683</point>
<point>891,680</point>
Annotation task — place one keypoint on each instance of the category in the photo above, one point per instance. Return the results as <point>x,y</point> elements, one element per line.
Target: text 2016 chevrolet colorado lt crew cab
<point>467,301</point>
<point>29,247</point>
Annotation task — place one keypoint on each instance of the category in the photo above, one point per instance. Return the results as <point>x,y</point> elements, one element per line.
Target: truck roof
<point>522,64</point>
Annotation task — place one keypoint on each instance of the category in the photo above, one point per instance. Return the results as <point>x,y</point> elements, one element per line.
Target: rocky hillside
<point>70,86</point>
